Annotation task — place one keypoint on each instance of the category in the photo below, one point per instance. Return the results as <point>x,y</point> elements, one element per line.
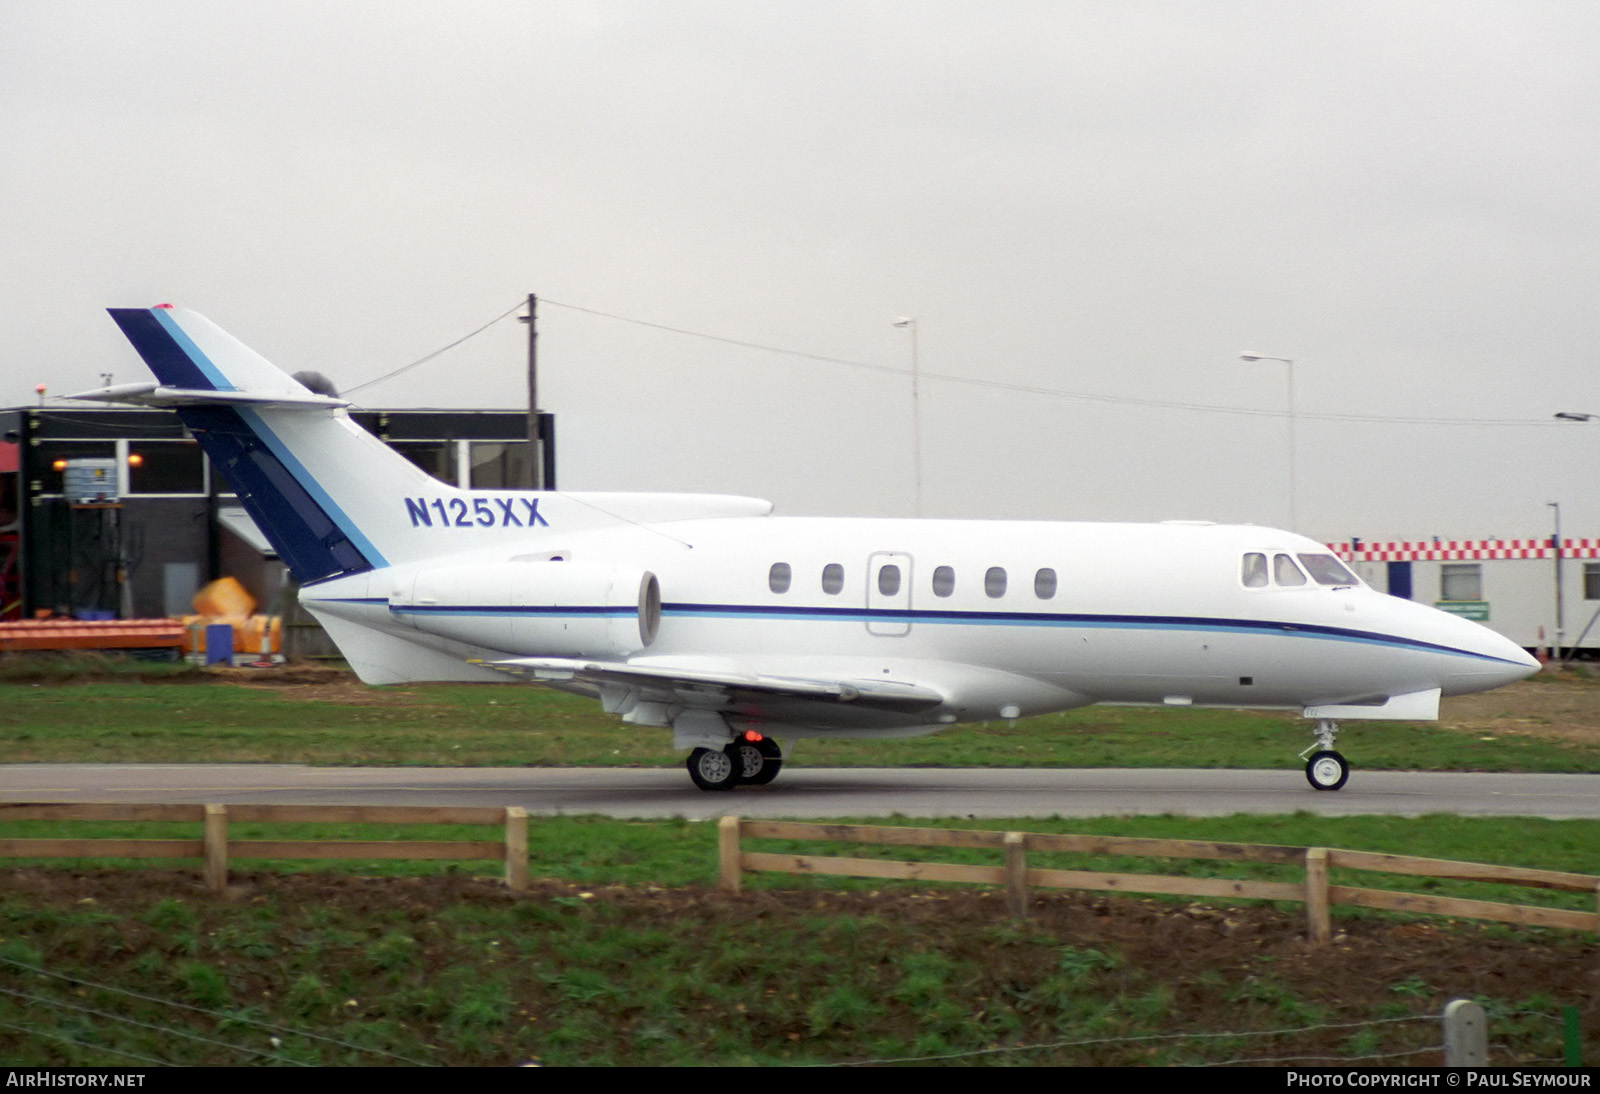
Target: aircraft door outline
<point>889,576</point>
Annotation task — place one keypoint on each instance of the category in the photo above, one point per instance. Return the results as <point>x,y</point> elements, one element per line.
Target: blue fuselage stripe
<point>1192,624</point>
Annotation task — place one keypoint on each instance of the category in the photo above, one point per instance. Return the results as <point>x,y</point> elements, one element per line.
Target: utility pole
<point>535,450</point>
<point>1561,621</point>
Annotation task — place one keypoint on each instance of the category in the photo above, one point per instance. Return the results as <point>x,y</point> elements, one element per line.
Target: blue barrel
<point>219,643</point>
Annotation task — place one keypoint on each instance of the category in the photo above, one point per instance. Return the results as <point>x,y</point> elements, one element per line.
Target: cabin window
<point>1327,570</point>
<point>889,580</point>
<point>994,582</point>
<point>1254,571</point>
<point>1591,580</point>
<point>1462,582</point>
<point>779,576</point>
<point>1044,584</point>
<point>944,581</point>
<point>832,578</point>
<point>1285,572</point>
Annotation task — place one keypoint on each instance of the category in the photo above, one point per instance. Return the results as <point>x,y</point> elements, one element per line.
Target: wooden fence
<point>217,849</point>
<point>1315,890</point>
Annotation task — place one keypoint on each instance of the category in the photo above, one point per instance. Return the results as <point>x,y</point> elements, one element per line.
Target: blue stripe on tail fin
<point>169,352</point>
<point>305,534</point>
<point>312,535</point>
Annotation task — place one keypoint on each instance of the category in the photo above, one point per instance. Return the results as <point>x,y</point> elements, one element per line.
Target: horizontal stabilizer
<point>160,395</point>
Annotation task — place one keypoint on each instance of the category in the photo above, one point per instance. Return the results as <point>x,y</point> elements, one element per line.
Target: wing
<point>779,698</point>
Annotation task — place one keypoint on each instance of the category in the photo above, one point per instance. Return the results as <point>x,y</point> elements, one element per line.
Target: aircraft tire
<point>715,768</point>
<point>1327,770</point>
<point>763,760</point>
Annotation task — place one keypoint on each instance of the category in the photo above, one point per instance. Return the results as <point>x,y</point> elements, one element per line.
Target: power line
<point>732,341</point>
<point>437,352</point>
<point>971,381</point>
<point>1060,393</point>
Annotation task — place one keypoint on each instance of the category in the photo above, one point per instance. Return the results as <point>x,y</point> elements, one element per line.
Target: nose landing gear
<point>1326,769</point>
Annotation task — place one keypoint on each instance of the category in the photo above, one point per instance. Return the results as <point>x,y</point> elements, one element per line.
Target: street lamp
<point>1288,363</point>
<point>1567,416</point>
<point>908,324</point>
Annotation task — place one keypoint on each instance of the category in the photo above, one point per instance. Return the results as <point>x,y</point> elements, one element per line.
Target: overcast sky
<point>1090,209</point>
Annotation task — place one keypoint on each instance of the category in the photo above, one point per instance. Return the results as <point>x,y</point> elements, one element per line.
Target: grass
<point>187,716</point>
<point>421,967</point>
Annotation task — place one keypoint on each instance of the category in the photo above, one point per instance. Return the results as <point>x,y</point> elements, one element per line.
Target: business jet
<point>708,615</point>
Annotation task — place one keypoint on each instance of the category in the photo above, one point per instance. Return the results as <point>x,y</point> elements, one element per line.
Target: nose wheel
<point>1326,769</point>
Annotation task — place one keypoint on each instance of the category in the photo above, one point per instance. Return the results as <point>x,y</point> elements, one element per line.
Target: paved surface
<point>817,792</point>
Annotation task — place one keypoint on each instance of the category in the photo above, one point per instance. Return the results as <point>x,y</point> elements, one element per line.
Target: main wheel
<point>715,768</point>
<point>1327,770</point>
<point>761,761</point>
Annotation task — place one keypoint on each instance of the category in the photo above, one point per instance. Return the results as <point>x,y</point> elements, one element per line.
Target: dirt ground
<point>1228,968</point>
<point>1557,704</point>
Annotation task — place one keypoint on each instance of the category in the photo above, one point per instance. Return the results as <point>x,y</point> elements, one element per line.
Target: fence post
<point>215,840</point>
<point>729,878</point>
<point>1016,875</point>
<point>1466,1035</point>
<point>1317,895</point>
<point>516,848</point>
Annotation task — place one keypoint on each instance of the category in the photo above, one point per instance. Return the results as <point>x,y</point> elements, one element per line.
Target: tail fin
<point>311,478</point>
<point>332,498</point>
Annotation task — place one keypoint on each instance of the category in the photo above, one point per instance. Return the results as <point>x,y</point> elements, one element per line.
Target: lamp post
<point>1288,363</point>
<point>1567,416</point>
<point>910,325</point>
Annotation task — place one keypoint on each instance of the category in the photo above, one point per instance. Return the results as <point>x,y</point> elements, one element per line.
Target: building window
<point>51,453</point>
<point>944,581</point>
<point>832,578</point>
<point>1461,582</point>
<point>498,465</point>
<point>994,582</point>
<point>166,467</point>
<point>779,576</point>
<point>1591,580</point>
<point>437,458</point>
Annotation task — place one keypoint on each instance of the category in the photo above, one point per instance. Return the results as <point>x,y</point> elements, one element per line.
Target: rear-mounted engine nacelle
<point>537,609</point>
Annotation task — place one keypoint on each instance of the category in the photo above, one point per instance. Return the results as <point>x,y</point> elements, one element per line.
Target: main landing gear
<point>755,762</point>
<point>1326,769</point>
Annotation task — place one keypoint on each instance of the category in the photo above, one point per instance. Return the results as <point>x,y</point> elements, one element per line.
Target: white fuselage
<point>1135,613</point>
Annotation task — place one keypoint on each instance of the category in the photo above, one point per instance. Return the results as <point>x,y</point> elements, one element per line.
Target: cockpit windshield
<point>1258,570</point>
<point>1327,570</point>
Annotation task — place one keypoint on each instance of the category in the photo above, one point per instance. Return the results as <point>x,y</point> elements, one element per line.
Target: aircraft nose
<point>1498,661</point>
